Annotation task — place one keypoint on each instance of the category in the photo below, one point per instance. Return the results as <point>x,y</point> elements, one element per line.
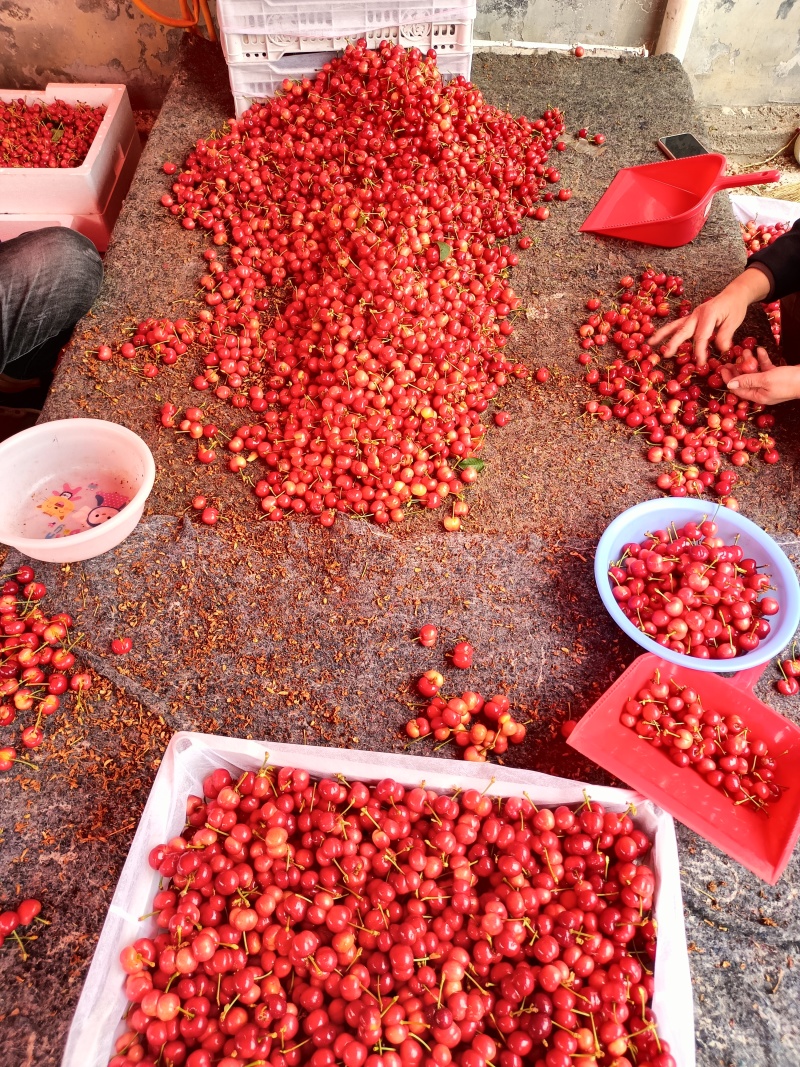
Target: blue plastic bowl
<point>636,522</point>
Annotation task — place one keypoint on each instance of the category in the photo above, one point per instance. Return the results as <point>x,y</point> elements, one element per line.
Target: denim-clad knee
<point>48,280</point>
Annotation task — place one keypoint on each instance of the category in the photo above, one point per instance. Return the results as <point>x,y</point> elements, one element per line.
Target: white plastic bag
<point>190,757</point>
<point>764,210</point>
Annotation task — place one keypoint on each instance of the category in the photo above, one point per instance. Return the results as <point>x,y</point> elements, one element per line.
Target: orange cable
<point>189,20</point>
<point>165,20</point>
<point>212,36</point>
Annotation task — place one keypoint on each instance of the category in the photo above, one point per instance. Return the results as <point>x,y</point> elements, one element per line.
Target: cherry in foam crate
<point>190,757</point>
<point>91,194</point>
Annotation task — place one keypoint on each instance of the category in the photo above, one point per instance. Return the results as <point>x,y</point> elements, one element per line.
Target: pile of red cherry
<point>26,912</point>
<point>326,922</point>
<point>53,134</point>
<point>363,215</point>
<point>757,236</point>
<point>36,660</point>
<point>715,744</point>
<point>692,593</point>
<point>691,421</point>
<point>452,719</point>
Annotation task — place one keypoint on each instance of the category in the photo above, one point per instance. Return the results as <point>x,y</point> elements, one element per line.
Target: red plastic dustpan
<point>762,842</point>
<point>666,203</point>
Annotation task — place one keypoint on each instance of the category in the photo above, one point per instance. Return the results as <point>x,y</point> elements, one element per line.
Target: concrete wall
<point>743,52</point>
<point>623,22</point>
<point>746,52</point>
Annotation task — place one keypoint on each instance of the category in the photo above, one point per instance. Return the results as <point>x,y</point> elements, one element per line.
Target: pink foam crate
<point>12,226</point>
<point>83,190</point>
<point>442,37</point>
<point>336,18</point>
<point>253,81</point>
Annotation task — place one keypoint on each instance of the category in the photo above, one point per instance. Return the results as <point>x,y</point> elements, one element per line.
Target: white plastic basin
<point>72,489</point>
<point>634,524</point>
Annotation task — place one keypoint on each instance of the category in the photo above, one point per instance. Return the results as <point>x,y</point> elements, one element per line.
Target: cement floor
<point>296,633</point>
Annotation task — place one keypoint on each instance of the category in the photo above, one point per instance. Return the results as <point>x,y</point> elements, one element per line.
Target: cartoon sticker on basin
<point>73,509</point>
<point>60,504</point>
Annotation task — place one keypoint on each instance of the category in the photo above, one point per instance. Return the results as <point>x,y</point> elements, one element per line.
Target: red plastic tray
<point>762,842</point>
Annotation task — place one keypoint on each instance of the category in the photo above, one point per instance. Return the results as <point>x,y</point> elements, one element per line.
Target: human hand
<point>768,385</point>
<point>724,313</point>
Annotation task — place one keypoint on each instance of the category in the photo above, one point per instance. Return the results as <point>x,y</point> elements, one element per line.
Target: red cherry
<point>430,683</point>
<point>27,910</point>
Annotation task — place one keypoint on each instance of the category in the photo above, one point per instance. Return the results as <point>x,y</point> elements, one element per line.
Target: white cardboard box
<point>190,757</point>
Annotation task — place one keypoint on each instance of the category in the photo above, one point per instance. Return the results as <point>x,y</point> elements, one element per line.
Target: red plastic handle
<point>757,177</point>
<point>747,679</point>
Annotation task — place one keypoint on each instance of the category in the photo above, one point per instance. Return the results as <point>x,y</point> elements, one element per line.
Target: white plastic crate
<point>74,190</point>
<point>252,81</point>
<point>261,80</point>
<point>335,18</point>
<point>190,757</point>
<point>442,37</point>
<point>96,225</point>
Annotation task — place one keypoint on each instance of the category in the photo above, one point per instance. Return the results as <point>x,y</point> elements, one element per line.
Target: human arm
<point>724,313</point>
<point>780,261</point>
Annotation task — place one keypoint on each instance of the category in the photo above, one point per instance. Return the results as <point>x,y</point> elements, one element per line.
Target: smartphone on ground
<point>681,146</point>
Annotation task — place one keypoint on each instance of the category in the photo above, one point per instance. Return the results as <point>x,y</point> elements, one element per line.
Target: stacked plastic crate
<point>266,41</point>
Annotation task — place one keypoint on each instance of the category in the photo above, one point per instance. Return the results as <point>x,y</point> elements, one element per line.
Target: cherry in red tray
<point>762,841</point>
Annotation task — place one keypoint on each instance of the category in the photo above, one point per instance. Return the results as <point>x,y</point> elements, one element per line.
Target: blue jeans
<point>48,281</point>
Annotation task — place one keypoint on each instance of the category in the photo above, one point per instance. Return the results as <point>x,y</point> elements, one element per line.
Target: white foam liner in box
<point>190,757</point>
